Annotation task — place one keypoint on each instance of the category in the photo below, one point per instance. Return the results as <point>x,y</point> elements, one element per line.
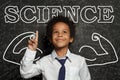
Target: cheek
<point>53,38</point>
<point>67,36</point>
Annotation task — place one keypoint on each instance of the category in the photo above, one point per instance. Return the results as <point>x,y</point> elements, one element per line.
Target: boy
<point>61,64</point>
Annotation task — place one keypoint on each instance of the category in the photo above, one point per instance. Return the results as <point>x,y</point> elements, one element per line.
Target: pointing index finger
<point>36,38</point>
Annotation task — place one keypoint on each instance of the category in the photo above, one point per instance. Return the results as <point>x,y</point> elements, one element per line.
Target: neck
<point>61,52</point>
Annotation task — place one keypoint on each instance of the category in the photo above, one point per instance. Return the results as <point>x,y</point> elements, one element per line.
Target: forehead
<point>60,25</point>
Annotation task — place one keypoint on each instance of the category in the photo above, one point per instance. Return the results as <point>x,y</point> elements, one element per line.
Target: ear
<point>71,40</point>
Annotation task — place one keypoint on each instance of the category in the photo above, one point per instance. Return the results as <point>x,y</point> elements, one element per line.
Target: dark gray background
<point>8,32</point>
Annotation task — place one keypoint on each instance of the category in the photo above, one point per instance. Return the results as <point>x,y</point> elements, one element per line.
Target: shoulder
<point>77,58</point>
<point>45,58</point>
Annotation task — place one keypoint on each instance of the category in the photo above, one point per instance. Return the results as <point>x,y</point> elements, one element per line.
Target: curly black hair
<point>60,18</point>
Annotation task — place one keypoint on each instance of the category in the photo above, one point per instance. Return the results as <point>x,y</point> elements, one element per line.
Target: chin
<point>61,46</point>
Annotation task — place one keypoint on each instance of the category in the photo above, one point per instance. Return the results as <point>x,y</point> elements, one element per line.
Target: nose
<point>60,34</point>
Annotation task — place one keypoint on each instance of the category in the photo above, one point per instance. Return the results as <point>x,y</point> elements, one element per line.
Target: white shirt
<point>76,68</point>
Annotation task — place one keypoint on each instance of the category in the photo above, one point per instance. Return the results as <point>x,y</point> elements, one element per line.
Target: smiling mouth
<point>60,40</point>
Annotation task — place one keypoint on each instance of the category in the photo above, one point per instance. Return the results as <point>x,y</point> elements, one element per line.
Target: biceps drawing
<point>108,54</point>
<point>12,48</point>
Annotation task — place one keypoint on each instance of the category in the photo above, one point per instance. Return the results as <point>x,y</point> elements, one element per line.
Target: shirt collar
<point>54,55</point>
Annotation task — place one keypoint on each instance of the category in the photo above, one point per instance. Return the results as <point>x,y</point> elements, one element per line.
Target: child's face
<point>61,35</point>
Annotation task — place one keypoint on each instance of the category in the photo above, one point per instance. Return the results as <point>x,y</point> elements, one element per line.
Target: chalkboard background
<point>105,67</point>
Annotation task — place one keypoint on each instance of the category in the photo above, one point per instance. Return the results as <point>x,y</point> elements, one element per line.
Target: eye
<point>64,31</point>
<point>55,31</point>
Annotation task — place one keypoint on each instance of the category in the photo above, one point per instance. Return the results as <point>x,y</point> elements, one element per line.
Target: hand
<point>33,43</point>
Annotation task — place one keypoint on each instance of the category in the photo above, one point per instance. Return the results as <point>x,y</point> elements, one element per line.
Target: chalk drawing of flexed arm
<point>14,49</point>
<point>108,54</point>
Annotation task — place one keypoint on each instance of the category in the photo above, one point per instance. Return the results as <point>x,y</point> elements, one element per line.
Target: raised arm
<point>27,68</point>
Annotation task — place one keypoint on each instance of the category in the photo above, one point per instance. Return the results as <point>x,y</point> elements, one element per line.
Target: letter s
<point>11,14</point>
